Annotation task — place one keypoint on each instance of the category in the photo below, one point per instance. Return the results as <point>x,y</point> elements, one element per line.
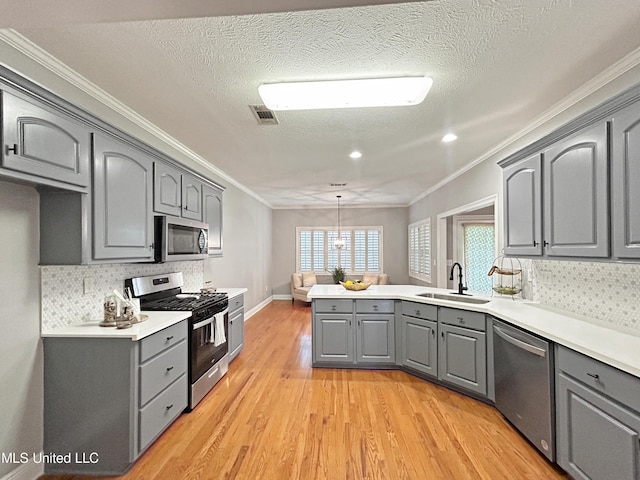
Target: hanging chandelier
<point>338,243</point>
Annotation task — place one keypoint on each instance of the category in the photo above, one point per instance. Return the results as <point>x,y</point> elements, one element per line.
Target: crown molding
<point>622,66</point>
<point>61,70</point>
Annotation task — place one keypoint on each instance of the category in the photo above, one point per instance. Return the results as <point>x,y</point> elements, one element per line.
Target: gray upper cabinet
<point>521,185</point>
<point>122,201</point>
<point>212,210</point>
<point>576,204</point>
<point>625,165</point>
<point>167,189</point>
<point>176,192</point>
<point>44,143</point>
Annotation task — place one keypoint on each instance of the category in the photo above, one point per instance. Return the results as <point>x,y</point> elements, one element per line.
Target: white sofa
<point>301,283</point>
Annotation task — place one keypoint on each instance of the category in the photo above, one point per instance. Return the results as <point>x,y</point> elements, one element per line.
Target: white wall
<point>21,364</point>
<point>394,222</point>
<point>247,240</point>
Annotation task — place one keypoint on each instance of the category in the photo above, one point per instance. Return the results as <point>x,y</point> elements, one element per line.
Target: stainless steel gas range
<point>208,326</point>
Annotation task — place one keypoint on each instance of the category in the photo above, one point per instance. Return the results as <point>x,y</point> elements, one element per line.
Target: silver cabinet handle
<point>540,352</point>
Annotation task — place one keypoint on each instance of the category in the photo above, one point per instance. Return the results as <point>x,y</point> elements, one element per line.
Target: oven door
<point>208,343</point>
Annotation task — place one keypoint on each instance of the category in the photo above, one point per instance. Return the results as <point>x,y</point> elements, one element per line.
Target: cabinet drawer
<point>462,318</point>
<point>374,306</point>
<point>161,411</point>
<point>236,303</point>
<point>329,305</point>
<point>161,371</point>
<point>616,384</point>
<point>159,341</point>
<point>420,310</point>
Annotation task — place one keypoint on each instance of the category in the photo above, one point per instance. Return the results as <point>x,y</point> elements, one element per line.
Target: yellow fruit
<point>348,282</point>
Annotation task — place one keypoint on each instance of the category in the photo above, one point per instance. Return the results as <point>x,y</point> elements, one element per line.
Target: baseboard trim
<point>249,313</point>
<point>282,297</point>
<point>26,471</point>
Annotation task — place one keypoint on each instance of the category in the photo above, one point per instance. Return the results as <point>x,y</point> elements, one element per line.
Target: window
<point>420,250</point>
<point>474,244</point>
<point>362,251</point>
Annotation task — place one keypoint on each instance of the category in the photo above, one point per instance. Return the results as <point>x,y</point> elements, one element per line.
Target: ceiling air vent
<point>264,115</point>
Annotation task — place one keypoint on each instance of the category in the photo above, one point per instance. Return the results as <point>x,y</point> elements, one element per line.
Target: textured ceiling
<point>496,66</point>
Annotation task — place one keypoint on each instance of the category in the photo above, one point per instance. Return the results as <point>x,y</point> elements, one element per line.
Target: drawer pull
<point>593,375</point>
<point>169,407</point>
<point>417,313</point>
<point>170,338</point>
<point>461,320</point>
<point>169,368</point>
<point>375,307</point>
<point>8,149</point>
<point>333,308</point>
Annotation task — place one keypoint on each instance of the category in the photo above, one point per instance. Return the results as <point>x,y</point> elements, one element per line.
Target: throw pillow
<point>308,279</point>
<point>297,280</point>
<point>371,278</point>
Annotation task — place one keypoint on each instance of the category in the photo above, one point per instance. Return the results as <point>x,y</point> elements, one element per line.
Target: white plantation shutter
<point>420,250</point>
<point>362,250</point>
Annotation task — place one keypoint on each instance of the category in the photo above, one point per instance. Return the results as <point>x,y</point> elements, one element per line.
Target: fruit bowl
<point>355,285</point>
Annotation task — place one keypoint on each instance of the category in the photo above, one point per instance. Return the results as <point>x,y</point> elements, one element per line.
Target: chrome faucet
<point>461,287</point>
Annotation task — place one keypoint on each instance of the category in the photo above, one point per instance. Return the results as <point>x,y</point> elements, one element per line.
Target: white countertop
<point>156,322</point>
<point>616,346</point>
<point>232,292</point>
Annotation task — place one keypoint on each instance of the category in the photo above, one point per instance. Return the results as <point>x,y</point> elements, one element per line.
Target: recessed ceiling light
<point>371,92</point>
<point>355,154</point>
<point>449,137</point>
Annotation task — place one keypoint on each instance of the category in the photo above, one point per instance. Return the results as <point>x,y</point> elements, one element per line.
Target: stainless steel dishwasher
<point>524,390</point>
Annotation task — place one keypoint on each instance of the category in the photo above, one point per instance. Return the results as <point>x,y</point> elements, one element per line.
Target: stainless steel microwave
<point>179,239</point>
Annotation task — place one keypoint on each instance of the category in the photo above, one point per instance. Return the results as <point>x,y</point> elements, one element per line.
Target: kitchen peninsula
<point>581,387</point>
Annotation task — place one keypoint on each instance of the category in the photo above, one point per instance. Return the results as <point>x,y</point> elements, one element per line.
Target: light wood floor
<point>273,417</point>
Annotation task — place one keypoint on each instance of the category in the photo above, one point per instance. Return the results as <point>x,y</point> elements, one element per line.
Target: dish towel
<point>219,337</point>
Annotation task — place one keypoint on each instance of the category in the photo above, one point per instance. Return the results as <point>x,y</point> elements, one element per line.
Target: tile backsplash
<point>63,301</point>
<point>608,292</point>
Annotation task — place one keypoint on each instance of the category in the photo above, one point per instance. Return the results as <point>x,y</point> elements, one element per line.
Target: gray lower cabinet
<point>176,192</point>
<point>333,338</point>
<point>108,399</point>
<point>236,326</point>
<point>122,201</point>
<point>598,419</point>
<point>462,353</point>
<point>419,344</point>
<point>212,215</point>
<point>625,188</point>
<point>576,198</point>
<point>44,145</point>
<point>359,332</point>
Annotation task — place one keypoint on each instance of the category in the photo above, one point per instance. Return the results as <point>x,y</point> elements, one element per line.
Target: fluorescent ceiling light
<point>374,92</point>
<point>355,154</point>
<point>449,137</point>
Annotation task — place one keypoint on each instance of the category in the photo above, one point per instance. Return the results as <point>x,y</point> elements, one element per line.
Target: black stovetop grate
<point>193,301</point>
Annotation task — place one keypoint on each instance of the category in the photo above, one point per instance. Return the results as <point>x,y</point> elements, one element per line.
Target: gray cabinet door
<point>212,209</point>
<point>191,197</point>
<point>375,342</point>
<point>236,333</point>
<point>625,167</point>
<point>420,345</point>
<point>333,338</point>
<point>521,185</point>
<point>122,202</point>
<point>167,189</point>
<point>42,142</point>
<point>462,358</point>
<point>597,438</point>
<point>576,205</point>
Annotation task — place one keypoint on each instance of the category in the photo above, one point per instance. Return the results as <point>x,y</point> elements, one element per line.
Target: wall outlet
<point>87,284</point>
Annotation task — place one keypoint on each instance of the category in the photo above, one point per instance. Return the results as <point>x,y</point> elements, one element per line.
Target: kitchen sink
<point>454,297</point>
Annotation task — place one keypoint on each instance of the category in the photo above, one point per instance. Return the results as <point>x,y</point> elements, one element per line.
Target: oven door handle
<point>209,320</point>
